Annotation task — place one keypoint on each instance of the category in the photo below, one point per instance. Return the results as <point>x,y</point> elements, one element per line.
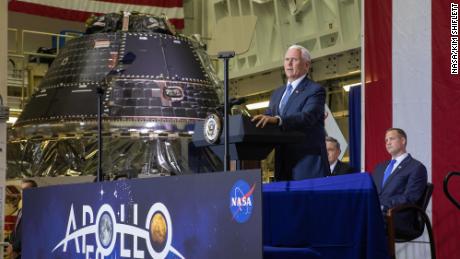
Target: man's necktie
<point>387,172</point>
<point>285,99</point>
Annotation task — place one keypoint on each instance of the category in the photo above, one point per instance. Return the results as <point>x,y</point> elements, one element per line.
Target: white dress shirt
<point>294,85</point>
<point>398,159</point>
<point>333,166</point>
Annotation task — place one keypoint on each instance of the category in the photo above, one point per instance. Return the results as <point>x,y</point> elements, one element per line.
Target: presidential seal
<point>212,128</point>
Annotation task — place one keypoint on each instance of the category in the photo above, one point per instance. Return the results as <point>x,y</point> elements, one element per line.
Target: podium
<point>246,141</point>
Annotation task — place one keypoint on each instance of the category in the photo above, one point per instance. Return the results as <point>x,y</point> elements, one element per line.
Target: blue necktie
<point>388,171</point>
<point>285,99</point>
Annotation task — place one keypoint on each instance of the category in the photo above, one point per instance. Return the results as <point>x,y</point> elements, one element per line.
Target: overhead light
<point>15,110</point>
<point>259,105</point>
<point>354,72</point>
<point>150,124</point>
<point>347,87</point>
<point>12,120</point>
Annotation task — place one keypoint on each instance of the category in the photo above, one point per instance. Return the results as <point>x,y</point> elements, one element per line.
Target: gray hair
<point>305,53</point>
<point>333,140</point>
<point>30,182</point>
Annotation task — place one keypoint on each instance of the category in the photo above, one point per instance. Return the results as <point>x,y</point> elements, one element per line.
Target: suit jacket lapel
<point>297,92</point>
<point>380,178</point>
<point>336,168</point>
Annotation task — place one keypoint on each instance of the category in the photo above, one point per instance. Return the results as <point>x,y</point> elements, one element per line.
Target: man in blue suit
<point>401,180</point>
<point>298,106</point>
<point>333,152</point>
<point>13,250</point>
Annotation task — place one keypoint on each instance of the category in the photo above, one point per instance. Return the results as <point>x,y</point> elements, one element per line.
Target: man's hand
<point>262,120</point>
<point>11,254</point>
<point>9,250</point>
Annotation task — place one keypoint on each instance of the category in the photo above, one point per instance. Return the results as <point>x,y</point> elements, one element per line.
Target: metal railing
<point>18,51</point>
<point>12,32</point>
<point>28,33</point>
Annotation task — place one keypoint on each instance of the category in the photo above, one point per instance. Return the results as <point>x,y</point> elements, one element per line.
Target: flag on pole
<point>412,82</point>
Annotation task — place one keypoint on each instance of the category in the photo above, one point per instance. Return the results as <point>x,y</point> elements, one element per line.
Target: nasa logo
<point>241,201</point>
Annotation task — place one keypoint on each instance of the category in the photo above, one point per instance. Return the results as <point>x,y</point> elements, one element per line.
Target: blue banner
<point>214,215</point>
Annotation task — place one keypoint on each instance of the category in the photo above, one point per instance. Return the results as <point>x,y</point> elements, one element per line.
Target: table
<point>335,217</point>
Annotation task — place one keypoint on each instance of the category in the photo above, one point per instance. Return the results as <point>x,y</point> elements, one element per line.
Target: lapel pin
<point>296,91</point>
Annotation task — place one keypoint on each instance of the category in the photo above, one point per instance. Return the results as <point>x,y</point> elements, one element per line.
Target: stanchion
<point>226,55</point>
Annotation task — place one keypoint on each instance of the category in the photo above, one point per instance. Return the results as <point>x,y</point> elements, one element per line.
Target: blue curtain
<point>354,124</point>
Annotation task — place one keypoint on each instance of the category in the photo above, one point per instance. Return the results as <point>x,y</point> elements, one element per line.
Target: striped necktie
<point>285,99</point>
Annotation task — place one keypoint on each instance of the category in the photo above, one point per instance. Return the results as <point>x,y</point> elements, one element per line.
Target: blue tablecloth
<point>337,217</point>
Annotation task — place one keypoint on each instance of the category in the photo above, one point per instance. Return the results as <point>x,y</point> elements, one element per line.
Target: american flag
<point>80,10</point>
<point>409,84</point>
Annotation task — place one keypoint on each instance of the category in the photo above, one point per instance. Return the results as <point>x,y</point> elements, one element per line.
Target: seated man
<point>333,151</point>
<point>401,180</point>
<point>13,250</point>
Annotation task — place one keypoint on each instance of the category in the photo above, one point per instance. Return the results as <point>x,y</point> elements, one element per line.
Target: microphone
<point>236,101</point>
<point>226,54</point>
<point>232,102</point>
<point>239,109</point>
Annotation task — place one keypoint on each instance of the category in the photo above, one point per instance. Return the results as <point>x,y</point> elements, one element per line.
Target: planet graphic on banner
<point>105,229</point>
<point>158,231</point>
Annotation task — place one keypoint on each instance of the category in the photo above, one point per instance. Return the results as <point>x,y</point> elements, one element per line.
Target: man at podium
<point>298,106</point>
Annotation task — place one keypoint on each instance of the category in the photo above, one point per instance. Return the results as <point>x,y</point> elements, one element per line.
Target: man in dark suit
<point>336,166</point>
<point>401,180</point>
<point>13,250</point>
<point>298,106</point>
